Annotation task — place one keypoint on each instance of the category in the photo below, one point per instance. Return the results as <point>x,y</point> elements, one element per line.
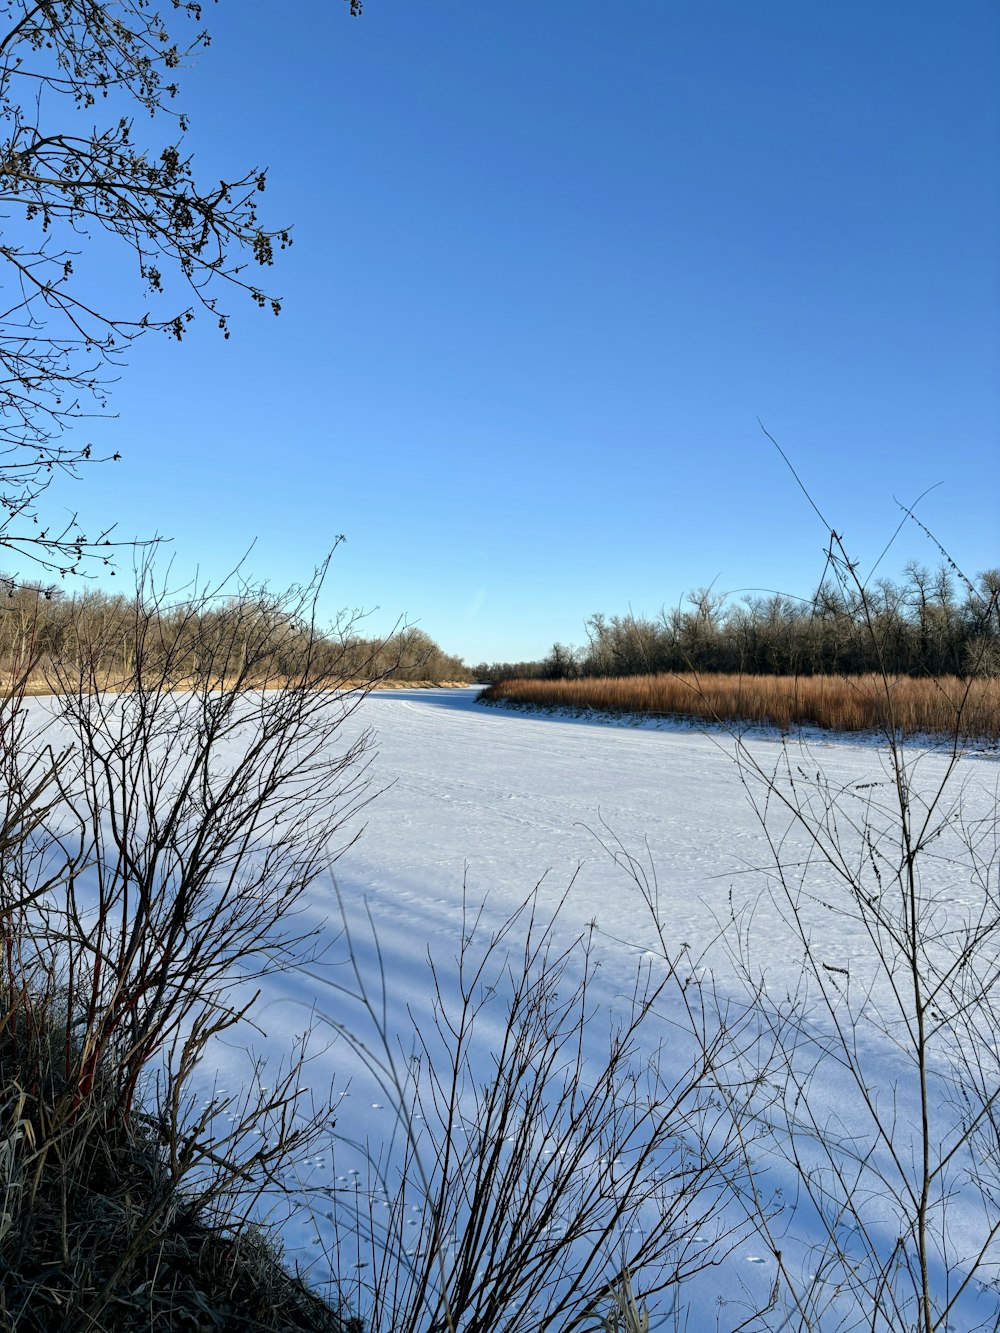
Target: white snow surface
<point>474,806</point>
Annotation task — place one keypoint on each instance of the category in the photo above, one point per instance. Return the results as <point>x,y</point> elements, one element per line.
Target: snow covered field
<point>474,807</point>
<point>479,805</point>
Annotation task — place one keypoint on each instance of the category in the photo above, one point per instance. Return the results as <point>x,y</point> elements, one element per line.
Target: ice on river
<point>475,806</point>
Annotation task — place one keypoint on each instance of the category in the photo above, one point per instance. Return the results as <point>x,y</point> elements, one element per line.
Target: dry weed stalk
<point>625,1314</point>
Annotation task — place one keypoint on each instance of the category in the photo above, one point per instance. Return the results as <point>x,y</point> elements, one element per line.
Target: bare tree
<point>93,143</point>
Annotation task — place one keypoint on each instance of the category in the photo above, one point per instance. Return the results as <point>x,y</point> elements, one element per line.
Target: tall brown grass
<point>909,706</point>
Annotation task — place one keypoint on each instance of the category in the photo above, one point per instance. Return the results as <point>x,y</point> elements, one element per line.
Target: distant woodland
<point>928,624</point>
<point>258,637</point>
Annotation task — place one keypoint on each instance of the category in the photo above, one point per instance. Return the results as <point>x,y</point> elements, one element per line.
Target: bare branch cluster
<point>908,1021</point>
<point>74,166</point>
<point>155,848</point>
<point>582,1146</point>
<point>880,1113</point>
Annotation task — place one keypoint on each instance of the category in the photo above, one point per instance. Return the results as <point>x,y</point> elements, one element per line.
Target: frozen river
<point>477,806</point>
<point>732,857</point>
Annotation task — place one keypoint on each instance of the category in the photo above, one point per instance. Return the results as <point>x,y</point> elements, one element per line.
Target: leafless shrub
<point>905,1024</point>
<point>549,1137</point>
<point>156,845</point>
<point>898,1176</point>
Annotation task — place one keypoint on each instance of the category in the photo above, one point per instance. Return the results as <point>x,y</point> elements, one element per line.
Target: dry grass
<point>907,705</point>
<point>96,1231</point>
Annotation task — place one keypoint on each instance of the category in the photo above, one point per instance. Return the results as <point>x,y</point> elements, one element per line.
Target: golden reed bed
<point>940,706</point>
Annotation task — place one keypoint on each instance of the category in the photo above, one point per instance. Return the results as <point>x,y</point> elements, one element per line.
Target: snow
<point>476,806</point>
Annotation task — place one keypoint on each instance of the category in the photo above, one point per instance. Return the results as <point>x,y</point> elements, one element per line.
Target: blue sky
<point>552,262</point>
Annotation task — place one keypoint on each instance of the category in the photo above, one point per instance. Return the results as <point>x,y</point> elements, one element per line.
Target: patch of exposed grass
<point>907,705</point>
<point>95,1232</point>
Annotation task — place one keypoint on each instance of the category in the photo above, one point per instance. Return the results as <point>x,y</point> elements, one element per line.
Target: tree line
<point>41,632</point>
<point>928,623</point>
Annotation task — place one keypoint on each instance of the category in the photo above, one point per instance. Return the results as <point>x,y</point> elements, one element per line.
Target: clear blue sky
<point>552,260</point>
